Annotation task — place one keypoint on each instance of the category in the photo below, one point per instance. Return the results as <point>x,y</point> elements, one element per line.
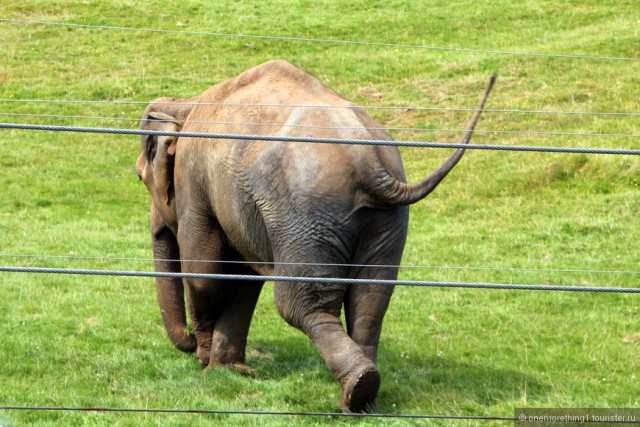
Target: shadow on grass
<point>276,359</point>
<point>407,383</point>
<point>442,380</point>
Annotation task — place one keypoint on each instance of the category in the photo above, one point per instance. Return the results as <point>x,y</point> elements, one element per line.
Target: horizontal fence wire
<point>367,107</point>
<point>316,280</point>
<point>181,134</point>
<point>306,414</point>
<point>288,125</point>
<point>316,40</point>
<point>320,264</point>
<point>485,418</point>
<point>260,413</point>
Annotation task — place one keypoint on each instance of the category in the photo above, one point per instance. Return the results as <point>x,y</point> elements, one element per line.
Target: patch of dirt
<point>631,338</point>
<point>371,92</point>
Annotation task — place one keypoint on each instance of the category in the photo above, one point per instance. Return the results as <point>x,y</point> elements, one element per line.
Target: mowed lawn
<point>73,200</point>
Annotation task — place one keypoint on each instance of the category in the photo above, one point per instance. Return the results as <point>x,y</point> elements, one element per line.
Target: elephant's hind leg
<point>381,243</point>
<point>365,307</point>
<point>315,309</point>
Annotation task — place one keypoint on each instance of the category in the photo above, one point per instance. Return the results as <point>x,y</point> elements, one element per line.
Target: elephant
<point>279,208</point>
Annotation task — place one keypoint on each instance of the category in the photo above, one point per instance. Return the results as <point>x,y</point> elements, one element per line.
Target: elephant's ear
<point>160,152</point>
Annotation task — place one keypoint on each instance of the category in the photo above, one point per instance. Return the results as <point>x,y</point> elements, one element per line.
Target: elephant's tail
<point>393,192</point>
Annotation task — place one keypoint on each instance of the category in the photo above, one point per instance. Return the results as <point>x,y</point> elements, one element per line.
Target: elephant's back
<point>281,188</point>
<point>279,98</point>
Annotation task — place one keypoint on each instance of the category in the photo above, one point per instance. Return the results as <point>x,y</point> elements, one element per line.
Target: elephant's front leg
<point>204,298</point>
<point>220,311</point>
<point>231,328</point>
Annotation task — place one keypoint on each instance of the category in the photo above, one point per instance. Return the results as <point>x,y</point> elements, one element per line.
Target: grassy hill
<point>500,217</point>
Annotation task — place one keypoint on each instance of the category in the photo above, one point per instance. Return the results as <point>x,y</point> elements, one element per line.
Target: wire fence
<point>262,413</point>
<point>313,106</point>
<point>289,125</point>
<point>300,280</point>
<point>317,264</point>
<point>316,280</point>
<point>182,134</point>
<point>318,40</point>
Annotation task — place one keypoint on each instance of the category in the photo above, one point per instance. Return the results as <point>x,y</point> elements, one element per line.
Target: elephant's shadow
<point>430,376</point>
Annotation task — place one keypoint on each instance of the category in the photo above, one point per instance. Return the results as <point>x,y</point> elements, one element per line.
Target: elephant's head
<point>155,165</point>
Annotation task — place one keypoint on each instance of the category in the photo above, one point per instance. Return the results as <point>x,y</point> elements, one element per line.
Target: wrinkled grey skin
<point>295,205</point>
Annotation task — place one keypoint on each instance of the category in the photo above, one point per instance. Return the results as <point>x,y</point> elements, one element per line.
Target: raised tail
<point>393,192</point>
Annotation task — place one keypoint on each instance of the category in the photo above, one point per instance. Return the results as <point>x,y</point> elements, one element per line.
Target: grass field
<point>530,218</point>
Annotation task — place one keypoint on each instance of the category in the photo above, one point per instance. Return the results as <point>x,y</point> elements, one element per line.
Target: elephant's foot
<point>203,355</point>
<point>360,390</point>
<point>221,352</point>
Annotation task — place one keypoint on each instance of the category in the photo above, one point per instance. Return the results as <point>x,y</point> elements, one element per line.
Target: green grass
<point>98,342</point>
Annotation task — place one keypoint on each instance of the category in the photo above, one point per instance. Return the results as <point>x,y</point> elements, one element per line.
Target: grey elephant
<point>279,208</point>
